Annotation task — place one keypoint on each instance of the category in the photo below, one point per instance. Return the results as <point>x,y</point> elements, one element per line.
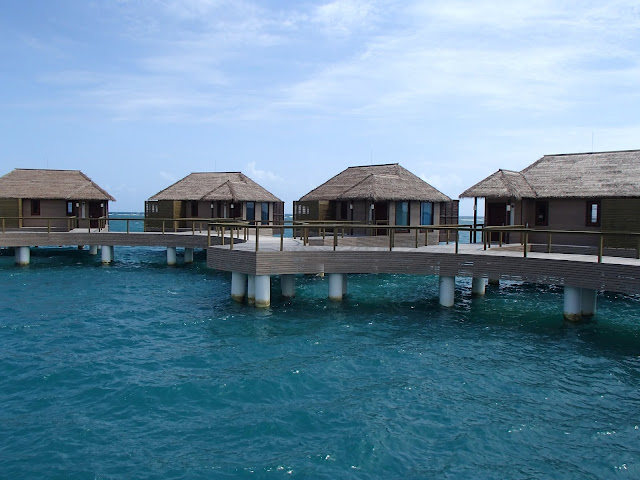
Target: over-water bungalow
<point>596,192</point>
<point>60,199</point>
<point>218,195</point>
<point>379,195</point>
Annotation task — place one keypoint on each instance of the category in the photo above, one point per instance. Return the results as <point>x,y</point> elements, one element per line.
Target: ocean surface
<point>140,370</point>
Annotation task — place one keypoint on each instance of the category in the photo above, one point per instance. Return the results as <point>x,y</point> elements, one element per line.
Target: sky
<point>138,94</point>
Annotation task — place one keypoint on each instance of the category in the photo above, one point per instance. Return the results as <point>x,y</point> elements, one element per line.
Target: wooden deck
<point>506,263</point>
<point>82,236</point>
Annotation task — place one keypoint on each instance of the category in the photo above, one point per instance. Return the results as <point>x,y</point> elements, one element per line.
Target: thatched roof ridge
<point>501,184</point>
<point>48,184</point>
<point>376,183</point>
<point>216,186</point>
<point>572,175</point>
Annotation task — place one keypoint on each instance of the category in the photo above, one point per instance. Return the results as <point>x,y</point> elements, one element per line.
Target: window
<point>265,213</point>
<point>251,211</point>
<point>542,214</point>
<point>194,208</point>
<point>593,213</point>
<point>70,210</point>
<point>426,213</point>
<point>35,207</point>
<point>402,213</point>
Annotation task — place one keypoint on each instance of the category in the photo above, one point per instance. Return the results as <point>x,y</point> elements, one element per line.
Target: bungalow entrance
<point>95,212</point>
<point>381,216</point>
<point>496,216</point>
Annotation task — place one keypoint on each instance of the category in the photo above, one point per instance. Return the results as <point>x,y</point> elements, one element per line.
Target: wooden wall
<point>11,207</point>
<point>620,214</point>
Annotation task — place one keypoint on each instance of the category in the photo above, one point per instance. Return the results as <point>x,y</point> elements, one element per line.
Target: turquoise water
<point>139,370</point>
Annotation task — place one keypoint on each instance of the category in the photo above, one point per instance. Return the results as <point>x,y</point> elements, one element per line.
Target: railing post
<point>282,238</point>
<point>391,234</point>
<point>305,240</point>
<point>193,228</point>
<point>448,236</point>
<point>163,227</point>
<point>324,233</point>
<point>549,243</point>
<point>526,241</point>
<point>600,248</point>
<point>500,239</point>
<point>208,235</point>
<point>417,237</point>
<point>49,225</point>
<point>484,240</point>
<point>128,225</point>
<point>457,240</point>
<point>257,236</point>
<point>230,238</point>
<point>222,236</point>
<point>426,237</point>
<point>335,238</point>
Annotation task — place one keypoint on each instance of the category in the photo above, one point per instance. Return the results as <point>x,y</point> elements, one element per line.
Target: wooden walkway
<point>506,263</point>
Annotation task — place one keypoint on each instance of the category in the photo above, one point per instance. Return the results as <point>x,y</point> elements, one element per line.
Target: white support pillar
<point>93,250</point>
<point>23,255</point>
<point>572,303</point>
<point>477,286</point>
<point>288,285</point>
<point>494,280</point>
<point>447,290</point>
<point>588,302</point>
<point>188,255</point>
<point>336,285</point>
<point>251,289</point>
<point>107,254</point>
<point>344,284</point>
<point>263,290</point>
<point>171,255</point>
<point>238,286</point>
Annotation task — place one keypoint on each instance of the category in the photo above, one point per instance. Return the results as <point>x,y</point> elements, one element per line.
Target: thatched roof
<point>576,175</point>
<point>502,184</point>
<point>376,182</point>
<point>50,185</point>
<point>216,186</point>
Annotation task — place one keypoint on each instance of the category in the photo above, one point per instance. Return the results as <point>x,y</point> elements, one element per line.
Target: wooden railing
<point>524,233</point>
<point>418,232</point>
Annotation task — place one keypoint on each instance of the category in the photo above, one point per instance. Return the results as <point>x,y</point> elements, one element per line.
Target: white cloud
<point>261,175</point>
<point>170,177</point>
<point>342,17</point>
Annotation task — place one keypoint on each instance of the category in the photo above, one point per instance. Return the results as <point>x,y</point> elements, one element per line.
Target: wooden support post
<point>417,237</point>
<point>457,242</point>
<point>600,248</point>
<point>526,241</point>
<point>257,236</point>
<point>282,239</point>
<point>549,243</point>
